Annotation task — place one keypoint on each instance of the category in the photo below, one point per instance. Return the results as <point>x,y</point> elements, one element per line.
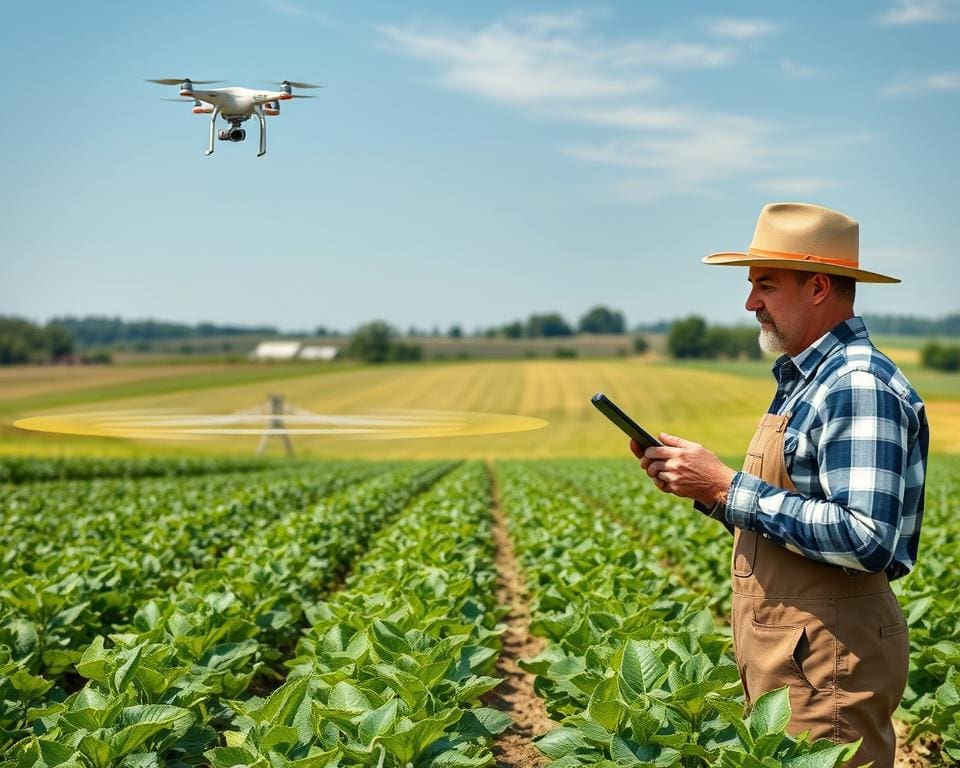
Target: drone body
<point>236,105</point>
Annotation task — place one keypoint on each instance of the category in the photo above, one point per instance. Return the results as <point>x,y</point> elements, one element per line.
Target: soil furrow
<point>515,695</point>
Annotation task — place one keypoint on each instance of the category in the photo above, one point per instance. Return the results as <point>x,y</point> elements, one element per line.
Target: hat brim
<point>749,260</point>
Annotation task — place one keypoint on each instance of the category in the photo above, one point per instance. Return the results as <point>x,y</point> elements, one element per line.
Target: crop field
<point>716,404</point>
<point>216,612</point>
<point>518,600</point>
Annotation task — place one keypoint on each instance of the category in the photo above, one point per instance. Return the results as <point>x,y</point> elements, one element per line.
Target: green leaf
<point>279,738</point>
<point>98,752</point>
<point>406,745</point>
<point>560,742</point>
<point>378,722</point>
<point>143,722</point>
<point>641,670</point>
<point>483,723</point>
<point>605,706</point>
<point>282,706</point>
<point>628,753</point>
<point>93,663</point>
<point>831,757</point>
<point>126,671</point>
<point>770,713</point>
<point>347,697</point>
<point>231,757</point>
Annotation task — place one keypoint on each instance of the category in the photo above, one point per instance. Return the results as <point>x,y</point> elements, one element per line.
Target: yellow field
<point>718,408</point>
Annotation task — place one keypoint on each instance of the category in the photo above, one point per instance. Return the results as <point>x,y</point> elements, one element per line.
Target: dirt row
<point>514,748</point>
<point>515,695</point>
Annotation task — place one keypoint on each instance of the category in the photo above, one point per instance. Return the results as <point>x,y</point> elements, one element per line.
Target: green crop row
<point>391,671</point>
<point>931,599</point>
<point>80,557</point>
<point>699,550</point>
<point>667,527</point>
<point>22,469</point>
<point>635,668</point>
<point>160,687</point>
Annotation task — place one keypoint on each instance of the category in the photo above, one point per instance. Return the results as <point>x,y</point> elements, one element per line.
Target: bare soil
<point>515,695</point>
<point>920,754</point>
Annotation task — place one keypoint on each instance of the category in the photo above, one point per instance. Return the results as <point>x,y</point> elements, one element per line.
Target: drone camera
<point>234,134</point>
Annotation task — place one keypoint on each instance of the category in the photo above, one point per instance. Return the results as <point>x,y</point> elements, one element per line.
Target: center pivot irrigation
<point>377,425</point>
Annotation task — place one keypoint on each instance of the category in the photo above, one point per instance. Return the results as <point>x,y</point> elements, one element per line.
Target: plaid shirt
<point>856,449</point>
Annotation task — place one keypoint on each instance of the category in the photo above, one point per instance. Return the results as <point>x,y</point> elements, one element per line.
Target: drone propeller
<point>302,96</point>
<point>179,80</point>
<point>181,100</point>
<point>292,83</point>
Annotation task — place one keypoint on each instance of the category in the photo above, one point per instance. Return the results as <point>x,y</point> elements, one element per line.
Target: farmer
<point>827,509</point>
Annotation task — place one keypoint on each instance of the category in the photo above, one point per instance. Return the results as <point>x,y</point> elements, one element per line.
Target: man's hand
<point>686,469</point>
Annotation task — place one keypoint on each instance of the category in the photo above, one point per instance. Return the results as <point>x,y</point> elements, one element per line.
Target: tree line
<point>688,338</point>
<point>102,331</point>
<point>23,342</point>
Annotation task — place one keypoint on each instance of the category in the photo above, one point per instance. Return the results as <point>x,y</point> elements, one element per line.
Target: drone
<point>235,105</point>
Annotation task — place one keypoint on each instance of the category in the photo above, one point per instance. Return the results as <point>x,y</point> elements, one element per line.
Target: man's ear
<point>821,287</point>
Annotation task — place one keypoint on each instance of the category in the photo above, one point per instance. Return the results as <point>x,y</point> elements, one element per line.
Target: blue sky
<point>469,163</point>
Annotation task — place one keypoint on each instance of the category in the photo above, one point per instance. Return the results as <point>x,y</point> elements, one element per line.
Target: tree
<point>550,324</point>
<point>602,320</point>
<point>640,344</point>
<point>688,337</point>
<point>371,342</point>
<point>59,342</point>
<point>513,330</point>
<point>941,357</point>
<point>455,332</point>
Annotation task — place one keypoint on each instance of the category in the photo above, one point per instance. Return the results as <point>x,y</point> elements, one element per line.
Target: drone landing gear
<point>213,128</point>
<point>235,133</point>
<point>258,111</point>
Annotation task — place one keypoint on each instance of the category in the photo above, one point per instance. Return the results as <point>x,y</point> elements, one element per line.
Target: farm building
<point>317,352</point>
<point>292,350</point>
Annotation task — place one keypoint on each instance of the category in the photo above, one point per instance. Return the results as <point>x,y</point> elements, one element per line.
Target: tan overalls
<point>839,641</point>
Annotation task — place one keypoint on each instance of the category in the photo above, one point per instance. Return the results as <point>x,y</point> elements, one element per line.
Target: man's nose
<point>753,304</point>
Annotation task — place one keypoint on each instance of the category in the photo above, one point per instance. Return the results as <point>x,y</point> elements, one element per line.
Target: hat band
<point>803,257</point>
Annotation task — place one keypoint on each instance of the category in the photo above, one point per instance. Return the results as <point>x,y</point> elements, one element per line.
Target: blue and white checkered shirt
<point>856,449</point>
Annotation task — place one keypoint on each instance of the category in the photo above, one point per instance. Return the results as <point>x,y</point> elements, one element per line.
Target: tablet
<point>628,426</point>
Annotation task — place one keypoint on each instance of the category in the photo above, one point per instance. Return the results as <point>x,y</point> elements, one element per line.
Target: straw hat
<point>805,237</point>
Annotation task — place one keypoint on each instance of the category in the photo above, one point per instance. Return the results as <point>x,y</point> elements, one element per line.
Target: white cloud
<point>796,71</point>
<point>709,149</point>
<point>556,68</point>
<point>939,82</point>
<point>536,59</point>
<point>741,29</point>
<point>905,12</point>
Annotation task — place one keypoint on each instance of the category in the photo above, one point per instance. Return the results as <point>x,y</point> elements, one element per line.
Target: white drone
<point>235,105</point>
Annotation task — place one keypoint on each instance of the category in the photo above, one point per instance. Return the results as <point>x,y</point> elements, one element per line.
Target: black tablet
<point>628,426</point>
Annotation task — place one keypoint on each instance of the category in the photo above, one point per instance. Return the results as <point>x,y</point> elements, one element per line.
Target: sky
<point>468,163</point>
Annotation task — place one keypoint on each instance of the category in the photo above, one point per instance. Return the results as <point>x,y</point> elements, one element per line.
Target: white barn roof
<point>276,350</point>
<point>317,352</point>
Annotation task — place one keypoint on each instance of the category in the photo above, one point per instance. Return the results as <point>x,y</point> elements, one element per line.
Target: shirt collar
<point>807,362</point>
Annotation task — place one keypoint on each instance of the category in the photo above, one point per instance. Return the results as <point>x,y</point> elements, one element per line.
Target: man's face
<point>778,301</point>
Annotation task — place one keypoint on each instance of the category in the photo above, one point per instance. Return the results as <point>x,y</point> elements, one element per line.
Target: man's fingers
<point>675,442</point>
<point>660,452</point>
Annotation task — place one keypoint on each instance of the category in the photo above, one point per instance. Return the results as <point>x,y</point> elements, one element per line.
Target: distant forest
<point>95,331</point>
<point>910,325</point>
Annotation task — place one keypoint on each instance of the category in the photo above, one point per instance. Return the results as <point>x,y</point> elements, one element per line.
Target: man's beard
<point>771,340</point>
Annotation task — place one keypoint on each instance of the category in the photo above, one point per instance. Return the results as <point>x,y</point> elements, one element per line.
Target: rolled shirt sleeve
<point>860,432</point>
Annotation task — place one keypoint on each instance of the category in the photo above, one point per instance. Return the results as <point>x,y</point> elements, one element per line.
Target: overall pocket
<point>744,553</point>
